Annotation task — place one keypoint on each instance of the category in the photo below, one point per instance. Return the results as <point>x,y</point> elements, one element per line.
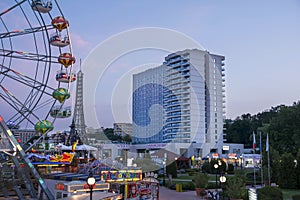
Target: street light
<point>164,180</point>
<point>222,180</point>
<point>216,166</point>
<point>91,182</point>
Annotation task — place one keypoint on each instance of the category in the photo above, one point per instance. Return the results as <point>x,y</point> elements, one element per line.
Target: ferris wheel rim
<point>39,89</point>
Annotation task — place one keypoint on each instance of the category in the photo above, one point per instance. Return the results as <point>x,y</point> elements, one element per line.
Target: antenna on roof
<point>80,64</point>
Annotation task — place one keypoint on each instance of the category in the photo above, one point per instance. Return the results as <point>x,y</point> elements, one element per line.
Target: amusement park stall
<point>131,184</point>
<point>78,189</point>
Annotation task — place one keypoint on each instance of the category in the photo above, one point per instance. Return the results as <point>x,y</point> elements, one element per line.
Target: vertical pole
<point>164,181</point>
<point>216,179</point>
<point>261,165</point>
<point>222,186</point>
<point>254,146</point>
<point>91,192</point>
<point>268,150</point>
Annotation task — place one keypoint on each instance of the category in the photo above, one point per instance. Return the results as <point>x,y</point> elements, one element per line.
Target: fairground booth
<point>131,184</point>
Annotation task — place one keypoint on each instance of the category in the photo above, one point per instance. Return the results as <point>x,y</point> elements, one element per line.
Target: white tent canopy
<point>83,147</point>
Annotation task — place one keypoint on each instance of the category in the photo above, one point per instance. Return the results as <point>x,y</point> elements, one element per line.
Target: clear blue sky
<point>259,39</point>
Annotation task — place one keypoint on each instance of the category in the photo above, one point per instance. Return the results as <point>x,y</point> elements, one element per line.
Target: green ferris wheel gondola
<point>61,94</point>
<point>43,126</point>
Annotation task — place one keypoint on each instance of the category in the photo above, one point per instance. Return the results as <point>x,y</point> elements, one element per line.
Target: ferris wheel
<point>36,63</point>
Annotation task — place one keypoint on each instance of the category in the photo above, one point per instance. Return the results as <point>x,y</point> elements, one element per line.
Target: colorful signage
<point>226,148</point>
<point>215,155</point>
<point>232,155</point>
<point>122,175</point>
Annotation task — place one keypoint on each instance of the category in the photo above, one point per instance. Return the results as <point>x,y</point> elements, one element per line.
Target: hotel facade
<point>181,103</point>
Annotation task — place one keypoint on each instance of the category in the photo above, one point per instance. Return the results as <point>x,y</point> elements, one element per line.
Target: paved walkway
<point>167,194</point>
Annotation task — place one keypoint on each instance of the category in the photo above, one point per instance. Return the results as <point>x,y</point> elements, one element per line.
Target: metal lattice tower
<point>78,115</point>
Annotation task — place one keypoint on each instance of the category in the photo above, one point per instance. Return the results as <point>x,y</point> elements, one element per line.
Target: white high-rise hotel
<point>181,103</point>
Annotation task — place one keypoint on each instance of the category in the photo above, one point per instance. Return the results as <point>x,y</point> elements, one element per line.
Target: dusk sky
<point>259,39</point>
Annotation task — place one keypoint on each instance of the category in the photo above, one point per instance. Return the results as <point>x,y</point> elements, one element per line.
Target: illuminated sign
<point>226,148</point>
<point>60,186</point>
<point>232,155</point>
<point>215,155</point>
<point>155,145</point>
<point>81,187</point>
<point>122,175</point>
<point>85,187</point>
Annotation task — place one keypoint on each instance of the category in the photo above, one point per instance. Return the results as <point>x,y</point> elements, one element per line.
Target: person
<point>210,195</point>
<point>216,195</point>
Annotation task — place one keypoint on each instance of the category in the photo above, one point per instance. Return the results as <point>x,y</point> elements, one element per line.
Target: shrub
<point>211,185</point>
<point>296,197</point>
<point>235,187</point>
<point>200,180</point>
<point>269,193</point>
<point>188,186</point>
<point>230,168</point>
<point>206,167</point>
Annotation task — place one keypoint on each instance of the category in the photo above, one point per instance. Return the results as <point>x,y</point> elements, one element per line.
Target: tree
<point>127,138</point>
<point>298,168</point>
<point>285,129</point>
<point>287,171</point>
<point>171,168</point>
<point>109,132</point>
<point>235,187</point>
<point>269,193</point>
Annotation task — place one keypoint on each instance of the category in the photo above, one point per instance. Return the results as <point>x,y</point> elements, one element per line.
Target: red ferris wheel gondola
<point>60,23</point>
<point>66,59</point>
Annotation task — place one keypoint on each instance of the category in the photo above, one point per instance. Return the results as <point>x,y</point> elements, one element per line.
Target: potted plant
<point>235,188</point>
<point>200,182</point>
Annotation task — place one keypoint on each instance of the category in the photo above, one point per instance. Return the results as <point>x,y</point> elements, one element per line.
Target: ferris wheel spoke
<point>21,107</point>
<point>26,80</point>
<point>28,56</point>
<point>16,106</point>
<point>11,8</point>
<point>25,31</point>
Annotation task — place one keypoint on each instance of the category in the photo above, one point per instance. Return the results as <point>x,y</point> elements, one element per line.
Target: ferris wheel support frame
<point>28,164</point>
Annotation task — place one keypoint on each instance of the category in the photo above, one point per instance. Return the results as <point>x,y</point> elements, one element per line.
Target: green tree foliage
<point>298,168</point>
<point>288,176</point>
<point>109,133</point>
<point>201,180</point>
<point>281,122</point>
<point>171,168</point>
<point>274,165</point>
<point>235,187</point>
<point>269,193</point>
<point>127,138</point>
<point>206,167</point>
<point>285,129</point>
<point>238,131</point>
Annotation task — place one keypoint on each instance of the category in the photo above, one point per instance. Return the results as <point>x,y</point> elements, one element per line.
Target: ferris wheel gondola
<point>56,40</point>
<point>65,77</point>
<point>41,6</point>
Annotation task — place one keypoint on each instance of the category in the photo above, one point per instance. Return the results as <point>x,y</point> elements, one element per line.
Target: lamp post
<point>164,180</point>
<point>216,166</point>
<point>91,182</point>
<point>222,180</point>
